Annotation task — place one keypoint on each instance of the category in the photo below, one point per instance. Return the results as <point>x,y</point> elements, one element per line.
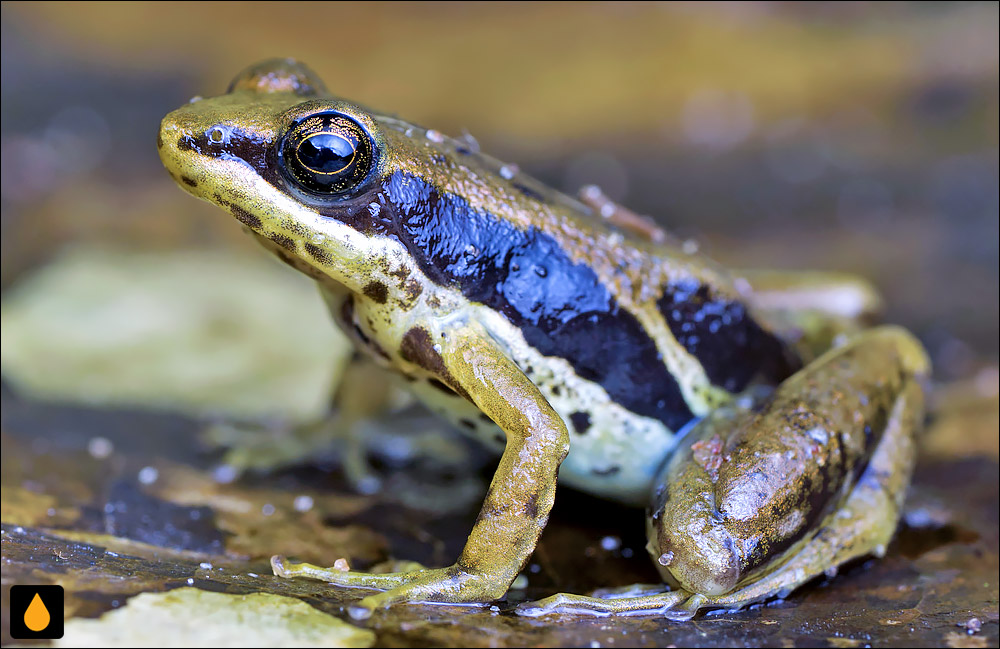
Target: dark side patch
<point>724,337</point>
<point>245,217</point>
<point>580,421</point>
<point>282,240</point>
<point>418,348</point>
<point>561,307</point>
<point>319,254</point>
<point>377,292</point>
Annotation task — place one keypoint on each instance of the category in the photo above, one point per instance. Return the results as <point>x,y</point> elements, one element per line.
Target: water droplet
<point>509,171</point>
<point>100,447</point>
<point>225,473</point>
<point>36,617</point>
<point>148,475</point>
<point>434,136</point>
<point>665,559</point>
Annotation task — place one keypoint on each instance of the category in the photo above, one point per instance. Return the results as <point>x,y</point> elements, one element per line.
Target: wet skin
<point>573,335</point>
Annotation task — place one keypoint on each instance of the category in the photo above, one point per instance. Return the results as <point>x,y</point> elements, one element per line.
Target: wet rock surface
<point>142,511</point>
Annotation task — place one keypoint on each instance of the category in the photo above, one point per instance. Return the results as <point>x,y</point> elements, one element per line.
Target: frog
<point>761,419</point>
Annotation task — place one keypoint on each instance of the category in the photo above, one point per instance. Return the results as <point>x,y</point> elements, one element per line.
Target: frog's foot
<point>677,605</point>
<point>409,438</point>
<point>451,585</point>
<point>269,447</point>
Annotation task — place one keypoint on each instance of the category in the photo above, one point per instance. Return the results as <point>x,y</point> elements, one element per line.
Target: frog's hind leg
<point>754,508</point>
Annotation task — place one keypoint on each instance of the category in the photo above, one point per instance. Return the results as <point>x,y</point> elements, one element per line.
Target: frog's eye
<point>327,153</point>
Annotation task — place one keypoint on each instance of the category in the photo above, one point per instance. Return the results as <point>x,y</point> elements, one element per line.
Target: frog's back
<point>663,332</point>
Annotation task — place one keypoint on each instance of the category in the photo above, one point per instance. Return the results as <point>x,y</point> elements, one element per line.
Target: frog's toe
<point>563,603</point>
<point>444,586</point>
<point>675,605</point>
<point>451,585</point>
<point>342,577</point>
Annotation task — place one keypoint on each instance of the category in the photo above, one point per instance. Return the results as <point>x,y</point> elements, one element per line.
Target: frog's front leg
<point>519,499</point>
<point>755,504</point>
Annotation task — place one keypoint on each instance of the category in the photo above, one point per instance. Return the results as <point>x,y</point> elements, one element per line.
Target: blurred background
<point>846,136</point>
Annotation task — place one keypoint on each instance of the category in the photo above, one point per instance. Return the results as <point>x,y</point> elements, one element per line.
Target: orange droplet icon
<point>37,616</point>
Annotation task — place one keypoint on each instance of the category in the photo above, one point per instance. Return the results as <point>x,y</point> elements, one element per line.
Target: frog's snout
<point>169,143</point>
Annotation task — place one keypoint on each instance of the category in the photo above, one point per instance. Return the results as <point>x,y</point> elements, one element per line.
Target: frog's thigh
<point>781,500</point>
<point>519,499</point>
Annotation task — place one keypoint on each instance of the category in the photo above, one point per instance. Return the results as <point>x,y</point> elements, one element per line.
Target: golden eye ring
<point>327,153</point>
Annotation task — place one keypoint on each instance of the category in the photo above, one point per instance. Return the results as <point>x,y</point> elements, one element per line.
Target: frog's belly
<point>613,453</point>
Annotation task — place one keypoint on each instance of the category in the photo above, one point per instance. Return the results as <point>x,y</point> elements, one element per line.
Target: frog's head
<point>347,194</point>
<point>304,171</point>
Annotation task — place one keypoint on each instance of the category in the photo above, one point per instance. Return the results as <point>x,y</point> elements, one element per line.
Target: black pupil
<point>326,153</point>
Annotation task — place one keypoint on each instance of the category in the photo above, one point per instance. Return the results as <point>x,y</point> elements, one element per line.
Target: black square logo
<point>36,612</point>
